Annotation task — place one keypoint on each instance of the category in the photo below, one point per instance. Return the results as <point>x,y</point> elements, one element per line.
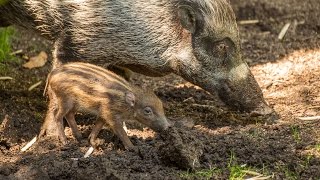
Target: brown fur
<point>85,87</point>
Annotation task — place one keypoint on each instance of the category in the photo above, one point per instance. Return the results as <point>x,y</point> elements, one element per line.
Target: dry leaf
<point>37,61</point>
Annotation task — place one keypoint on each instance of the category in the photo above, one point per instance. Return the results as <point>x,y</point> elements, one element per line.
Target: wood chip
<point>259,178</point>
<point>283,31</point>
<point>248,22</point>
<point>6,78</point>
<point>314,107</point>
<point>16,52</point>
<point>29,144</point>
<point>5,122</point>
<point>34,86</point>
<point>309,118</point>
<point>89,152</point>
<point>204,106</point>
<point>252,173</point>
<point>125,127</point>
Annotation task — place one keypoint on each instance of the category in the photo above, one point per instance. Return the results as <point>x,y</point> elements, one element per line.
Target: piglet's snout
<point>162,125</point>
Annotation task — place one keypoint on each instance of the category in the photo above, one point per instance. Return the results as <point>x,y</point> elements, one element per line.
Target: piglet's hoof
<point>64,142</point>
<point>96,142</point>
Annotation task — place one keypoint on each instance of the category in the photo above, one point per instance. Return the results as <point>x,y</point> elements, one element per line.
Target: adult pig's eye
<point>147,111</point>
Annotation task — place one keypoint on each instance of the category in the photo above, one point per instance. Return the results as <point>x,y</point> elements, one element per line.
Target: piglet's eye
<point>147,111</point>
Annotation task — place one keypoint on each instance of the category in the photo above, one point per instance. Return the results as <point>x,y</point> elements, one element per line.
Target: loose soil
<point>207,135</point>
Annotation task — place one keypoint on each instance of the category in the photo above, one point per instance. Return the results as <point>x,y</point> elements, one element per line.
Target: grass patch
<point>200,174</point>
<point>290,175</point>
<point>238,172</point>
<point>2,2</point>
<point>296,133</point>
<point>317,147</point>
<point>5,43</point>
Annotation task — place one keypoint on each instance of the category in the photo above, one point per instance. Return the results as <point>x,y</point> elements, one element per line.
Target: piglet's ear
<point>187,18</point>
<point>130,98</point>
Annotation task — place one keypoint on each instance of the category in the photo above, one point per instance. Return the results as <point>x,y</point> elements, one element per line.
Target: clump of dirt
<point>181,148</point>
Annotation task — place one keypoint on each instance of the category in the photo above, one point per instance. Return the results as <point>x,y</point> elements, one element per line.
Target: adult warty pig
<point>82,86</point>
<point>196,39</point>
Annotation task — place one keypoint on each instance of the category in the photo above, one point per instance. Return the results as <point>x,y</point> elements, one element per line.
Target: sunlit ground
<point>292,83</point>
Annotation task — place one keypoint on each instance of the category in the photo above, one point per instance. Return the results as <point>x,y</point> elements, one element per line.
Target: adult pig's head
<point>210,55</point>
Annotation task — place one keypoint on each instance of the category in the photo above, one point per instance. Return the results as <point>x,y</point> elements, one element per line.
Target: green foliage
<point>317,146</point>
<point>296,133</point>
<point>2,2</point>
<point>200,174</point>
<point>5,43</point>
<point>238,172</point>
<point>290,175</point>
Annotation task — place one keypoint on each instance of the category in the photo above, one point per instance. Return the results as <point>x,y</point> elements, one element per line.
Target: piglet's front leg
<point>117,127</point>
<point>94,133</point>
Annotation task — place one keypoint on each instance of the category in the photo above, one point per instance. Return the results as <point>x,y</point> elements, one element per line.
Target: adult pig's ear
<point>187,17</point>
<point>130,98</point>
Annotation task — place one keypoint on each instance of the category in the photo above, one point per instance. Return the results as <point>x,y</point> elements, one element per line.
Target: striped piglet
<point>85,87</point>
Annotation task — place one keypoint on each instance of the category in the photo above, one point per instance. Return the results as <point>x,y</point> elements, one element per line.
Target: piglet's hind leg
<point>73,125</point>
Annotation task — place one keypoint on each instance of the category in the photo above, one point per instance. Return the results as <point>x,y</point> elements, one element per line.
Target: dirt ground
<point>211,141</point>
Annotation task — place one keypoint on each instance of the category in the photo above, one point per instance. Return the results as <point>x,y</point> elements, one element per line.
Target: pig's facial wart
<point>239,73</point>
